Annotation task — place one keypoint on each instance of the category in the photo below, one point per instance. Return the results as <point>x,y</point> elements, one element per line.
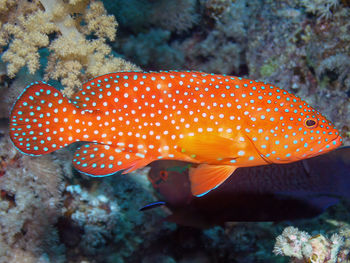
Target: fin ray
<point>37,124</point>
<point>207,177</point>
<point>205,148</point>
<point>103,160</point>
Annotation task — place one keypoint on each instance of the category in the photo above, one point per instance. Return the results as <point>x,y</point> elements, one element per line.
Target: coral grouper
<point>130,119</point>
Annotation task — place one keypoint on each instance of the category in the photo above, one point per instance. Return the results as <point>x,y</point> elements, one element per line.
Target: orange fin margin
<point>207,177</point>
<point>103,160</point>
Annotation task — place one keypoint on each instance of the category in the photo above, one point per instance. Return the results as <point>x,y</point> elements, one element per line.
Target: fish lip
<point>336,141</point>
<point>326,149</point>
<point>323,150</point>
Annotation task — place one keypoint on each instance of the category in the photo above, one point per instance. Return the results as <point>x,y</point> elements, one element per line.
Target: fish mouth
<point>335,143</point>
<point>332,145</point>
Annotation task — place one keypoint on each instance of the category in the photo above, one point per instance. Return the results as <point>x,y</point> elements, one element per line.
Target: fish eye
<point>164,175</point>
<point>310,123</point>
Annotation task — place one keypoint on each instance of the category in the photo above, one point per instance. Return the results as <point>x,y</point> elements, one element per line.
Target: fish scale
<point>141,118</point>
<point>130,119</point>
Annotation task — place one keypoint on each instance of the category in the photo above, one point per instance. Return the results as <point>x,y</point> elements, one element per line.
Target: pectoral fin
<point>208,148</point>
<point>207,177</point>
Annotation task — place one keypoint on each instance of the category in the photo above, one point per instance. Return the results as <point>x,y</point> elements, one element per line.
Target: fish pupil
<point>310,123</point>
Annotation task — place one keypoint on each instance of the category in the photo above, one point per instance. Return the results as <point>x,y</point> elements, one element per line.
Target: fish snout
<point>333,144</point>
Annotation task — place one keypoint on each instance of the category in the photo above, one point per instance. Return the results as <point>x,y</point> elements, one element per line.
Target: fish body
<point>130,119</point>
<point>276,192</point>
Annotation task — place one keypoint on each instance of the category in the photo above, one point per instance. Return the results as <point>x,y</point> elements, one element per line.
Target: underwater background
<point>51,213</point>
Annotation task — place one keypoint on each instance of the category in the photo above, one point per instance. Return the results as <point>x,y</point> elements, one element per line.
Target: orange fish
<point>130,119</point>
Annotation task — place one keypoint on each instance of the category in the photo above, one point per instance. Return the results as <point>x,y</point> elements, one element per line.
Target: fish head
<point>287,129</point>
<point>319,136</point>
<point>170,179</point>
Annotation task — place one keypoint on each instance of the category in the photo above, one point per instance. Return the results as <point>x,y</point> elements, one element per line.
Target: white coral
<point>30,208</point>
<point>291,243</point>
<point>301,246</point>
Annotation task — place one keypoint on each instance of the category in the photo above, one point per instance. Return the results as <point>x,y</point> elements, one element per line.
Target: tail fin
<point>40,120</point>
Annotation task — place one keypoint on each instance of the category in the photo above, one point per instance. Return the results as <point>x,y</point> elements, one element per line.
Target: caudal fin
<point>40,120</point>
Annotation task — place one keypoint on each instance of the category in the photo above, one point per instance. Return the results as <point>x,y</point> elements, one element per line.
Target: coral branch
<point>73,58</point>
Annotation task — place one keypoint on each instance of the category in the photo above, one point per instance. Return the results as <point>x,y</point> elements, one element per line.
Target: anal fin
<point>207,177</point>
<point>103,160</point>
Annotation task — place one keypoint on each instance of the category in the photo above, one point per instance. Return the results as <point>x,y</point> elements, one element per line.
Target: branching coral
<point>222,49</point>
<point>96,215</point>
<point>216,46</point>
<point>181,17</point>
<point>340,65</point>
<point>29,34</point>
<point>321,8</point>
<point>102,217</point>
<point>75,56</point>
<point>215,8</point>
<point>29,207</point>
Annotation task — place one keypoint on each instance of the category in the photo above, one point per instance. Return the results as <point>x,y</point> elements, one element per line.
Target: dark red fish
<point>276,192</point>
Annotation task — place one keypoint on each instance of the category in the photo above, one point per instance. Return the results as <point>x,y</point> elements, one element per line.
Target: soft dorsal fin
<point>208,147</point>
<point>103,160</point>
<point>207,177</point>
